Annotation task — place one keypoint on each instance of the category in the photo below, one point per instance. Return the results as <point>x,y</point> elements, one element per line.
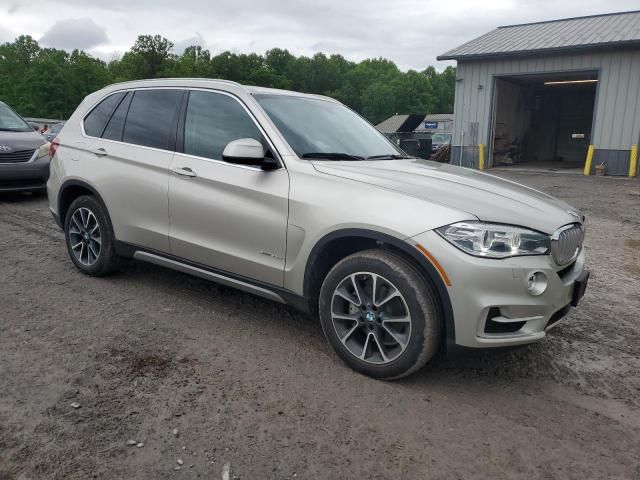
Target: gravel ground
<point>253,384</point>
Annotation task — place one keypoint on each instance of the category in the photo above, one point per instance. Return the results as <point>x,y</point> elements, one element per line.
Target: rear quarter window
<point>96,120</point>
<point>114,128</point>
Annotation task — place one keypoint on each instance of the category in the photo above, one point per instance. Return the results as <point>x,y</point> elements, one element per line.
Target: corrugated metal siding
<point>617,111</point>
<point>465,157</point>
<point>610,29</point>
<point>616,162</point>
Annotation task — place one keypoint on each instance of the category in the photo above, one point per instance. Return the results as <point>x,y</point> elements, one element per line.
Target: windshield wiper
<point>388,156</point>
<point>331,156</point>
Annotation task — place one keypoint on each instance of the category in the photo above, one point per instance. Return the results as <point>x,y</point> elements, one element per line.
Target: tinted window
<point>94,122</point>
<point>56,128</point>
<point>116,124</point>
<point>152,118</point>
<point>213,120</point>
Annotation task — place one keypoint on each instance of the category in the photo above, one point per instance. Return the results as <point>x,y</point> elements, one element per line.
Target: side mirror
<point>249,151</point>
<point>244,150</point>
<point>269,163</point>
<point>35,126</point>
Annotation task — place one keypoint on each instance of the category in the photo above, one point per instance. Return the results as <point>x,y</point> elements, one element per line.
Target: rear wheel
<point>89,237</point>
<point>379,314</point>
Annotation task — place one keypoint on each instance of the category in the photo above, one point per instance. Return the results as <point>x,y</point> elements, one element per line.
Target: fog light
<point>537,283</point>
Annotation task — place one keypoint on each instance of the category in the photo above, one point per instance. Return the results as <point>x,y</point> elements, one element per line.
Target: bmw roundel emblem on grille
<point>5,148</point>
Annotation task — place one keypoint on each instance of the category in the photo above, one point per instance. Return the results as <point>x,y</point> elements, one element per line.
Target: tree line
<point>46,82</point>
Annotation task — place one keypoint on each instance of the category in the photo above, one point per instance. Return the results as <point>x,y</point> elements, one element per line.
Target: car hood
<point>19,141</point>
<point>484,196</point>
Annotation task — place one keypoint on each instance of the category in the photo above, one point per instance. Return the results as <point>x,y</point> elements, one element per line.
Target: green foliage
<point>44,82</point>
<point>51,83</point>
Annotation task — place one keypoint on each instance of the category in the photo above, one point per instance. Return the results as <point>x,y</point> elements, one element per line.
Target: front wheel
<point>89,237</point>
<point>379,314</point>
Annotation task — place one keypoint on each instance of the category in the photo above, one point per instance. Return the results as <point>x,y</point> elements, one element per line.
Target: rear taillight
<point>53,148</point>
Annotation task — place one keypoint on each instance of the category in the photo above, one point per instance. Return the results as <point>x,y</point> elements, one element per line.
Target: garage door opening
<point>543,121</point>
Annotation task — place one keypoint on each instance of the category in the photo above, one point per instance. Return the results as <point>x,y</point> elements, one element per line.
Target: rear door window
<point>95,122</point>
<point>152,118</point>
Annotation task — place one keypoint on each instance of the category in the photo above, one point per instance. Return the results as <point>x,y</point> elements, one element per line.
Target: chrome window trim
<point>221,162</point>
<point>174,152</point>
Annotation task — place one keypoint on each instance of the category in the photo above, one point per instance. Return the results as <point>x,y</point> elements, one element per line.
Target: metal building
<point>540,94</point>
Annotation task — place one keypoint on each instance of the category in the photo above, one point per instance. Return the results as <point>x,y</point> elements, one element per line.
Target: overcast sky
<point>409,32</point>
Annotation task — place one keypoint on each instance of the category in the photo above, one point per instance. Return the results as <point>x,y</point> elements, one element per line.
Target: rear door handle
<point>100,152</point>
<point>184,172</point>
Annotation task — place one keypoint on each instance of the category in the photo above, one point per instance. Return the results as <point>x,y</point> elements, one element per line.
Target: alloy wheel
<point>371,317</point>
<point>84,236</point>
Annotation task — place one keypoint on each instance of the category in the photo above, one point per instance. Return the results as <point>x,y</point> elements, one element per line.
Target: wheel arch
<point>72,189</point>
<point>337,245</point>
<point>69,191</point>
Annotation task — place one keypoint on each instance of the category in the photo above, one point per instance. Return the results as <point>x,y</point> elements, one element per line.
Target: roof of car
<point>212,82</point>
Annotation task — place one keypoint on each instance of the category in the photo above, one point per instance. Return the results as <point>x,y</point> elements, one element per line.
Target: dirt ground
<point>252,384</point>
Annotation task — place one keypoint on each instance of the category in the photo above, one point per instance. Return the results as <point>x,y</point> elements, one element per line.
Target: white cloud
<point>410,32</point>
<point>181,45</point>
<point>71,33</point>
<point>6,35</point>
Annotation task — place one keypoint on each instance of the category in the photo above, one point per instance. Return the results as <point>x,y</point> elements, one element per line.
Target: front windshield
<point>314,127</point>
<point>10,121</point>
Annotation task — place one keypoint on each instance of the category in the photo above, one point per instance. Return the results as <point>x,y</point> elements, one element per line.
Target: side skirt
<point>199,272</point>
<point>265,290</point>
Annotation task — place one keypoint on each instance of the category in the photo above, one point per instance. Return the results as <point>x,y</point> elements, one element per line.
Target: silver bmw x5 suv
<point>296,198</point>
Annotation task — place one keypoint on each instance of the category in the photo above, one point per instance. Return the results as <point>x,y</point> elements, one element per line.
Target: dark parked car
<point>439,140</point>
<point>53,131</point>
<point>24,154</point>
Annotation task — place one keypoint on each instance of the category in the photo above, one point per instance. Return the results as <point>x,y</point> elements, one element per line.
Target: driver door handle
<point>100,152</point>
<point>184,172</point>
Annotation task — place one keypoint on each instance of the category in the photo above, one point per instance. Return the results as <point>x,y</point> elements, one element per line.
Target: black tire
<point>107,260</point>
<point>420,300</point>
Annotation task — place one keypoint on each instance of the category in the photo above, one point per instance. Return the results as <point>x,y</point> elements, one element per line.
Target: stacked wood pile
<point>442,154</point>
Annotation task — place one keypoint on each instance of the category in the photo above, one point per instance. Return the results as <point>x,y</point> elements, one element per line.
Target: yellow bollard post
<point>587,164</point>
<point>633,161</point>
<point>481,156</point>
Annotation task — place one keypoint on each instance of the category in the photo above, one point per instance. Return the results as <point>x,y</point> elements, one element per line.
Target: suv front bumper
<point>26,176</point>
<point>490,301</point>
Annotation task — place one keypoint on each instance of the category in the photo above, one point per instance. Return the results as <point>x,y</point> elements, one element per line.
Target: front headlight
<point>495,241</point>
<point>43,150</point>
